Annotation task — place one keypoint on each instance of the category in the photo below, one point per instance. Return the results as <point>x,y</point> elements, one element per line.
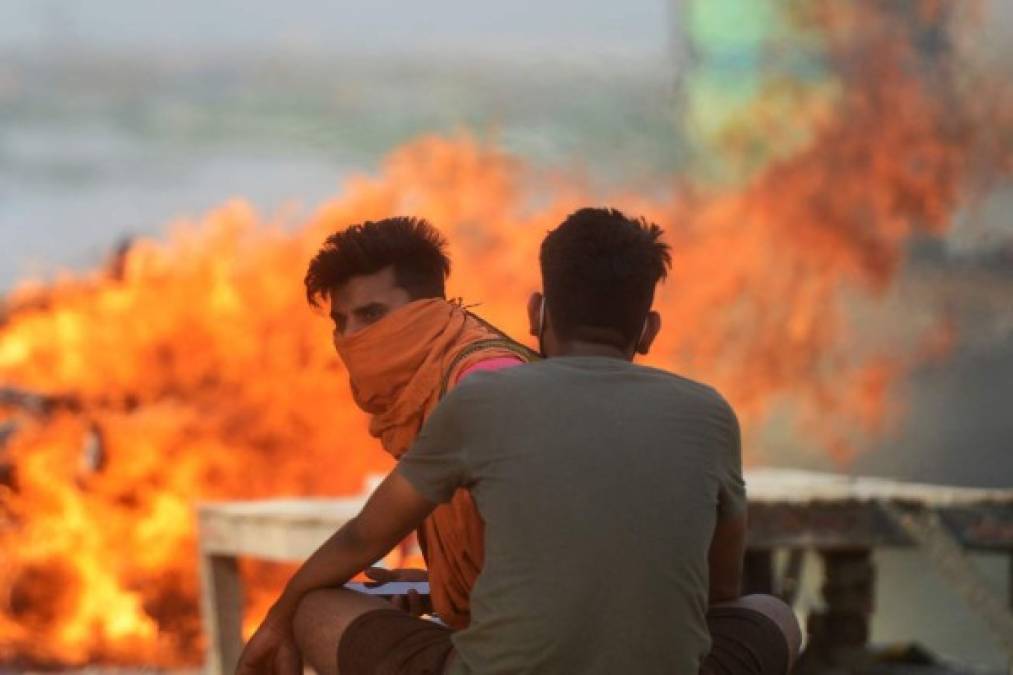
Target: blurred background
<point>118,119</point>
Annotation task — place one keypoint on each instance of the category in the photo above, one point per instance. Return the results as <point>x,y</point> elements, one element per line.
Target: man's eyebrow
<point>368,307</point>
<point>336,316</point>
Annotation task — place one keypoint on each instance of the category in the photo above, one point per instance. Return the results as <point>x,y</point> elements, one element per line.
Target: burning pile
<point>192,369</point>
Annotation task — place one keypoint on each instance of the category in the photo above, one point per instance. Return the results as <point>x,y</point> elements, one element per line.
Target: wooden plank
<point>276,530</point>
<point>790,486</point>
<point>822,525</point>
<point>221,612</point>
<point>987,527</point>
<point>790,509</point>
<point>291,509</point>
<point>267,539</point>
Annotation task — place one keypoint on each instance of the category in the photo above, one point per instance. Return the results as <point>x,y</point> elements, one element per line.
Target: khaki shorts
<point>391,642</point>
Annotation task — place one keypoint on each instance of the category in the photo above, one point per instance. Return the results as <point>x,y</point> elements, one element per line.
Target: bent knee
<point>781,614</point>
<point>327,611</point>
<point>311,611</point>
<point>768,605</point>
<point>776,610</point>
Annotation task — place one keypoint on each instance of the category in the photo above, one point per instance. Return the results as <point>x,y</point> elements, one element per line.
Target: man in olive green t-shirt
<point>614,472</point>
<point>626,478</point>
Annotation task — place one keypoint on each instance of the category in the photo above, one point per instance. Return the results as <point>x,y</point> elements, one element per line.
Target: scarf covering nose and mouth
<point>399,368</point>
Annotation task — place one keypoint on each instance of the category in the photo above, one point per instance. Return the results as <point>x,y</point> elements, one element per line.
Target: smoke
<point>190,368</point>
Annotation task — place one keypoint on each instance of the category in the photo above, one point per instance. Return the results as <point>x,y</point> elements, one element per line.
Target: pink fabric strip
<point>498,363</point>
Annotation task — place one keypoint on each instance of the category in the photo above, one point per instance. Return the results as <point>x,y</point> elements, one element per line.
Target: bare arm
<point>728,546</point>
<point>392,511</point>
<point>395,508</point>
<point>725,558</point>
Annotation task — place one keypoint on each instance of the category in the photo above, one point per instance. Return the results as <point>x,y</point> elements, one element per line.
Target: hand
<point>413,603</point>
<point>271,651</point>
<point>382,575</point>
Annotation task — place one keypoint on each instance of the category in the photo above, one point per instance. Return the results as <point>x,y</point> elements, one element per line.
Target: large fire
<point>191,368</point>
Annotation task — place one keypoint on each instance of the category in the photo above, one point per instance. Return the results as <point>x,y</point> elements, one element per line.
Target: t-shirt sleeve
<point>732,490</point>
<point>434,464</point>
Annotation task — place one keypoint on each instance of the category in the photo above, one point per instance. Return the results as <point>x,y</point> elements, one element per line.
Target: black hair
<point>415,249</point>
<point>599,270</point>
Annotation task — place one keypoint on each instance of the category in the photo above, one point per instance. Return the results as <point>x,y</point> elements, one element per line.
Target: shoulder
<point>497,384</point>
<point>687,389</point>
<point>478,400</point>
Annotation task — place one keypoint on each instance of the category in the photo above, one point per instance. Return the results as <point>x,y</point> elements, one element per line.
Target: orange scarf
<point>399,368</point>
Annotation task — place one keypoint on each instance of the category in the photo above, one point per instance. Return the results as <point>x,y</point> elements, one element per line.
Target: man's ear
<point>652,326</point>
<point>535,313</point>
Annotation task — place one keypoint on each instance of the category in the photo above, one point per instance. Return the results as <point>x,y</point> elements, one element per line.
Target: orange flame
<point>194,370</point>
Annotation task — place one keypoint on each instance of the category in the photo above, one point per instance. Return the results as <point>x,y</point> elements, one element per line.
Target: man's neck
<point>579,348</point>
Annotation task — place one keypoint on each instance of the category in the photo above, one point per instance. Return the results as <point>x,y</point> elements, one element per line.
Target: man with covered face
<point>404,346</point>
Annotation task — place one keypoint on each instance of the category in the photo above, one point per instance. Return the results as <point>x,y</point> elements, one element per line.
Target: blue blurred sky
<point>582,28</point>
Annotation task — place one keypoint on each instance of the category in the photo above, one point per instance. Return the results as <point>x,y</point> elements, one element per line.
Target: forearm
<point>391,512</point>
<point>725,590</point>
<point>726,558</point>
<point>345,553</point>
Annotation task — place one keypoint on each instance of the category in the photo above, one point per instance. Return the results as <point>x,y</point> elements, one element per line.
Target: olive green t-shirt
<point>600,483</point>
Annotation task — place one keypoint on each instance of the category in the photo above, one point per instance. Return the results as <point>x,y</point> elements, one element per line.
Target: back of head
<point>599,271</point>
<point>411,246</point>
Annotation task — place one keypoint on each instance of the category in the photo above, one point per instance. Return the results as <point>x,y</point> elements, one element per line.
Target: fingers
<point>244,667</point>
<point>421,603</point>
<point>379,576</point>
<point>412,575</point>
<point>379,573</point>
<point>382,575</point>
<point>252,658</point>
<point>260,653</point>
<point>288,660</point>
<point>414,601</point>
